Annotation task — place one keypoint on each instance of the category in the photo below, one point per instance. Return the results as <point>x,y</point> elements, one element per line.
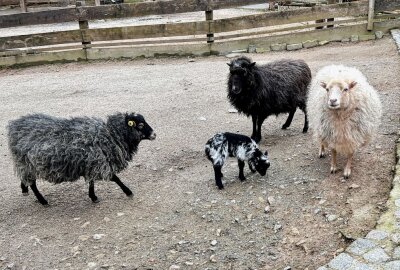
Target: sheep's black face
<point>239,70</point>
<point>259,162</point>
<point>137,122</point>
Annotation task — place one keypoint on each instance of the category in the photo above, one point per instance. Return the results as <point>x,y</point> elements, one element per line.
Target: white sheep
<point>344,111</point>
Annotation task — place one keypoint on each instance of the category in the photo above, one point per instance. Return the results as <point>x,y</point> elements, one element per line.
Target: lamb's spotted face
<point>338,93</point>
<point>259,162</point>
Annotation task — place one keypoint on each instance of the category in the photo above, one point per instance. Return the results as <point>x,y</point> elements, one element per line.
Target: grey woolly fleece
<point>60,150</point>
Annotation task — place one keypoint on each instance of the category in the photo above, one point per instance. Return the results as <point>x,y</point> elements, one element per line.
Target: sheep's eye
<point>346,89</point>
<point>141,126</point>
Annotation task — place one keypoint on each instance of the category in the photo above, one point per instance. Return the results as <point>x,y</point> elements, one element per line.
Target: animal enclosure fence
<point>210,36</point>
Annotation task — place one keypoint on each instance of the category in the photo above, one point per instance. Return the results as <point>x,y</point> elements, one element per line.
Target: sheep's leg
<point>260,121</point>
<point>218,181</point>
<point>347,169</point>
<point>92,195</point>
<point>241,166</point>
<point>39,196</point>
<point>333,162</point>
<point>305,128</point>
<point>254,134</point>
<point>124,188</point>
<point>25,189</point>
<point>322,150</point>
<point>289,119</point>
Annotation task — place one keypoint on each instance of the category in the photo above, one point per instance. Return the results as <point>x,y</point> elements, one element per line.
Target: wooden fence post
<point>371,13</point>
<point>97,2</point>
<point>83,25</point>
<point>209,18</point>
<point>23,5</point>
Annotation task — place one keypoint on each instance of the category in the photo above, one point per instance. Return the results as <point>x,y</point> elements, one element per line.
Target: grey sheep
<point>62,150</point>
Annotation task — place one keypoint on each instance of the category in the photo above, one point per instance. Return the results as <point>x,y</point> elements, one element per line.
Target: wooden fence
<point>187,38</point>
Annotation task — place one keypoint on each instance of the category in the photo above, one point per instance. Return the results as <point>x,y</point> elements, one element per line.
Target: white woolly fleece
<point>349,127</point>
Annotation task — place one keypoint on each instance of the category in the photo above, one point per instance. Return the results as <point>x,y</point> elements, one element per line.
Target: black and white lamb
<point>222,145</point>
<point>274,88</point>
<point>62,150</point>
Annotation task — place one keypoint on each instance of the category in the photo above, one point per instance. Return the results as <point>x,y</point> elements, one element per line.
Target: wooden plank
<point>43,39</point>
<point>117,11</point>
<point>290,28</point>
<point>39,17</point>
<point>290,16</point>
<point>9,2</point>
<point>146,31</point>
<point>386,5</point>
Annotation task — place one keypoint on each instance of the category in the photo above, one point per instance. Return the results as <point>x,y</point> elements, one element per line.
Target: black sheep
<point>62,150</point>
<point>275,88</point>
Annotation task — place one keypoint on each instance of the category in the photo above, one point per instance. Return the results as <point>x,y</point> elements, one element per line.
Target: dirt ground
<point>177,212</point>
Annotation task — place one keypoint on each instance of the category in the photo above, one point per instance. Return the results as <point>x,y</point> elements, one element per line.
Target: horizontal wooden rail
<point>187,28</point>
<point>118,11</point>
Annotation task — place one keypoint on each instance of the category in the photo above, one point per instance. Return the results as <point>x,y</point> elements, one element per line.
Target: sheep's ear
<point>352,84</point>
<point>323,84</point>
<point>229,64</point>
<point>252,64</point>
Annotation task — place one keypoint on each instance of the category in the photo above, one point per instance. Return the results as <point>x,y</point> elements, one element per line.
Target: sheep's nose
<point>333,100</point>
<point>152,136</point>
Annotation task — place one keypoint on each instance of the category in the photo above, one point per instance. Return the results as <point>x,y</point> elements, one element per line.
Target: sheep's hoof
<point>322,155</point>
<point>130,195</point>
<point>44,202</point>
<point>333,169</point>
<point>95,200</point>
<point>220,187</point>
<point>242,178</point>
<point>305,130</point>
<point>346,176</point>
<point>285,126</point>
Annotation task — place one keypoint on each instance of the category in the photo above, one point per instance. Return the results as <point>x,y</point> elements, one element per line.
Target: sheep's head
<point>240,69</point>
<point>259,162</point>
<point>338,93</point>
<point>136,122</point>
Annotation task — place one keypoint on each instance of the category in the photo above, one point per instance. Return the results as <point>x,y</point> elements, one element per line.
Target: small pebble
<point>214,242</point>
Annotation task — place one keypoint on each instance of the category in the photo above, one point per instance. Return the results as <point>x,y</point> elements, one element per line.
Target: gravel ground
<point>177,218</point>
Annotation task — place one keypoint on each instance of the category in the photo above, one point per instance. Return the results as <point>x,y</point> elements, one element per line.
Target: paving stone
<point>293,47</point>
<point>342,262</point>
<point>252,49</point>
<point>354,38</point>
<point>397,214</point>
<point>396,253</point>
<point>310,43</point>
<point>396,238</point>
<point>360,266</point>
<point>397,202</point>
<point>376,255</point>
<point>394,265</point>
<point>366,37</point>
<point>360,246</point>
<point>379,34</point>
<point>278,47</point>
<point>377,235</point>
<point>323,42</point>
